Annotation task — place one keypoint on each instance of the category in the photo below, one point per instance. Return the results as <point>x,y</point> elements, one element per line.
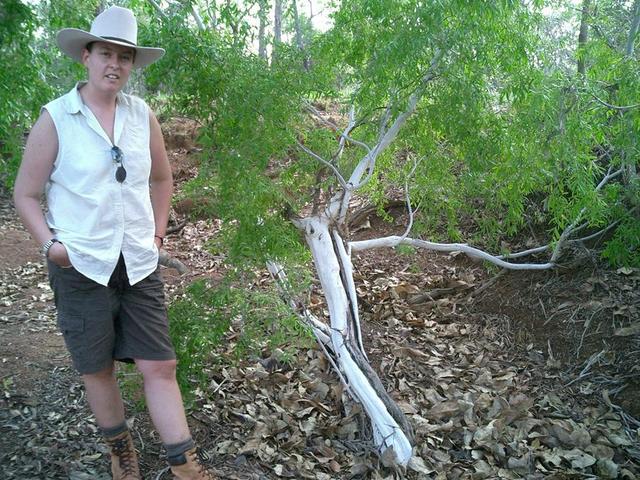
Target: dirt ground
<point>510,375</point>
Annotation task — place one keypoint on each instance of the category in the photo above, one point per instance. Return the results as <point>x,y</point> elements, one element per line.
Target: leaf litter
<point>483,403</point>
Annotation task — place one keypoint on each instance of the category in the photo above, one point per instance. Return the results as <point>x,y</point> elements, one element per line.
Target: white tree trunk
<point>299,37</point>
<point>633,31</point>
<point>263,7</point>
<point>345,342</point>
<point>277,30</point>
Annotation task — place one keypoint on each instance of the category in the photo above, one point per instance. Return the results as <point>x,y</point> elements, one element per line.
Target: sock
<point>177,449</point>
<point>114,431</point>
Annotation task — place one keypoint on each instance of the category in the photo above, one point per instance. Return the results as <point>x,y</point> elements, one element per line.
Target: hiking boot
<point>189,467</point>
<point>124,460</point>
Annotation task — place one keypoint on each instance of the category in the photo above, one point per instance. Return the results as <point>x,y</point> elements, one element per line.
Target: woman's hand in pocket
<point>58,254</point>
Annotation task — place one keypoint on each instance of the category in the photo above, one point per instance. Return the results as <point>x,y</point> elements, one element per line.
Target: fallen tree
<point>482,105</point>
<point>342,339</point>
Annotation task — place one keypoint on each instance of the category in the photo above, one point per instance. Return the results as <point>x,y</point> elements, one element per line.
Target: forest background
<point>519,119</point>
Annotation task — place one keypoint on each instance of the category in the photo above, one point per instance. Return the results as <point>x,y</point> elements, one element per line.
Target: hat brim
<point>72,41</point>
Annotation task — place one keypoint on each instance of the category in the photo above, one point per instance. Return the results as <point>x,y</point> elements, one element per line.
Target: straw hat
<point>115,25</point>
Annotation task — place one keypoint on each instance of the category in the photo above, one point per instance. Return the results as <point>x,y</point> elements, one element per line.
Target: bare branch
<point>168,261</point>
<point>363,380</point>
<point>344,135</point>
<point>408,199</point>
<point>284,287</point>
<point>350,288</point>
<point>609,176</point>
<point>339,203</point>
<point>384,120</point>
<point>339,176</point>
<point>597,234</point>
<point>615,107</point>
<point>633,31</point>
<point>524,253</point>
<point>473,252</point>
<point>197,17</point>
<point>157,8</point>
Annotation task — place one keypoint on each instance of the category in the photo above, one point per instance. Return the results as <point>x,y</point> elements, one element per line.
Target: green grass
<point>199,320</point>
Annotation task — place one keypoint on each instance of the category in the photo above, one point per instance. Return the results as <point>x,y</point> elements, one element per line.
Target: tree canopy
<point>511,133</point>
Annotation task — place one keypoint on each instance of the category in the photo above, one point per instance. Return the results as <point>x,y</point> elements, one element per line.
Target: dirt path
<point>47,430</point>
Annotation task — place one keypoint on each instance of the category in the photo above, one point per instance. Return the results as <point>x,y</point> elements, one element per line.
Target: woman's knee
<point>106,374</point>
<point>157,369</point>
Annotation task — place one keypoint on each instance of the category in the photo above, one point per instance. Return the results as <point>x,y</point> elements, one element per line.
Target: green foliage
<point>19,82</point>
<point>131,384</point>
<point>197,323</point>
<point>33,72</point>
<point>250,112</point>
<point>505,135</point>
<point>503,123</point>
<point>624,248</point>
<point>201,318</point>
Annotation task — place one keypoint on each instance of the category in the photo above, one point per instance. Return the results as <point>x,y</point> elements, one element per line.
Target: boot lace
<point>125,454</point>
<point>198,458</point>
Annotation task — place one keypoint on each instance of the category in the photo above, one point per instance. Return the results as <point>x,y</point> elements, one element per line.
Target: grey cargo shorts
<point>118,322</point>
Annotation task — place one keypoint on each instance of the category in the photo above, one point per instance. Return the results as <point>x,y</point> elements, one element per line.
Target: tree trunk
<point>263,7</point>
<point>633,31</point>
<point>277,31</point>
<point>299,37</point>
<point>582,37</point>
<point>390,427</point>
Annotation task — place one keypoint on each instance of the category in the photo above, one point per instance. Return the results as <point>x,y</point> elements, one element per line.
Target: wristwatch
<point>47,245</point>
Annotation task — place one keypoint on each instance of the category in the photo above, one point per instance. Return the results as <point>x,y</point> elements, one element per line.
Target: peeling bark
<point>390,427</point>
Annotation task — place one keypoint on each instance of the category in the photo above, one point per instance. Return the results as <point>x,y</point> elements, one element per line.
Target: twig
<point>162,472</point>
<point>220,385</point>
<point>524,253</point>
<point>587,324</point>
<point>408,199</point>
<point>345,134</point>
<point>585,371</point>
<point>168,261</point>
<point>485,285</point>
<point>615,107</point>
<point>176,228</point>
<point>544,312</point>
<point>571,228</point>
<point>158,9</point>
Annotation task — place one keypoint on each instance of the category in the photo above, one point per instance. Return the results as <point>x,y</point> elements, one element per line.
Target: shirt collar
<point>74,101</point>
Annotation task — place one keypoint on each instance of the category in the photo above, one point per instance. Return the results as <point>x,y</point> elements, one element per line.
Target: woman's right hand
<point>58,254</point>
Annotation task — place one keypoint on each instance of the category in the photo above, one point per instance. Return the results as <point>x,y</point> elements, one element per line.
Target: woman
<point>99,156</point>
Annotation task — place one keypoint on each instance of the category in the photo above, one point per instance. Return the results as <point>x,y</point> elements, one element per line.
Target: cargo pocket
<point>70,323</point>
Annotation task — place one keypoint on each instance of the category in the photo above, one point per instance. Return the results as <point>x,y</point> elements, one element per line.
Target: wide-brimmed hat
<point>115,25</point>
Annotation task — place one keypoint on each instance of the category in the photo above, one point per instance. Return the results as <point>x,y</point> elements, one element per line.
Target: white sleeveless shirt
<point>89,211</point>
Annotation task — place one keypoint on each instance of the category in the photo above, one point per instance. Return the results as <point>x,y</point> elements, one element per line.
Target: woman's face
<point>108,65</point>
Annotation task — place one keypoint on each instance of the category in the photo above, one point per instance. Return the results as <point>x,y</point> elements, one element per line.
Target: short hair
<point>89,47</point>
